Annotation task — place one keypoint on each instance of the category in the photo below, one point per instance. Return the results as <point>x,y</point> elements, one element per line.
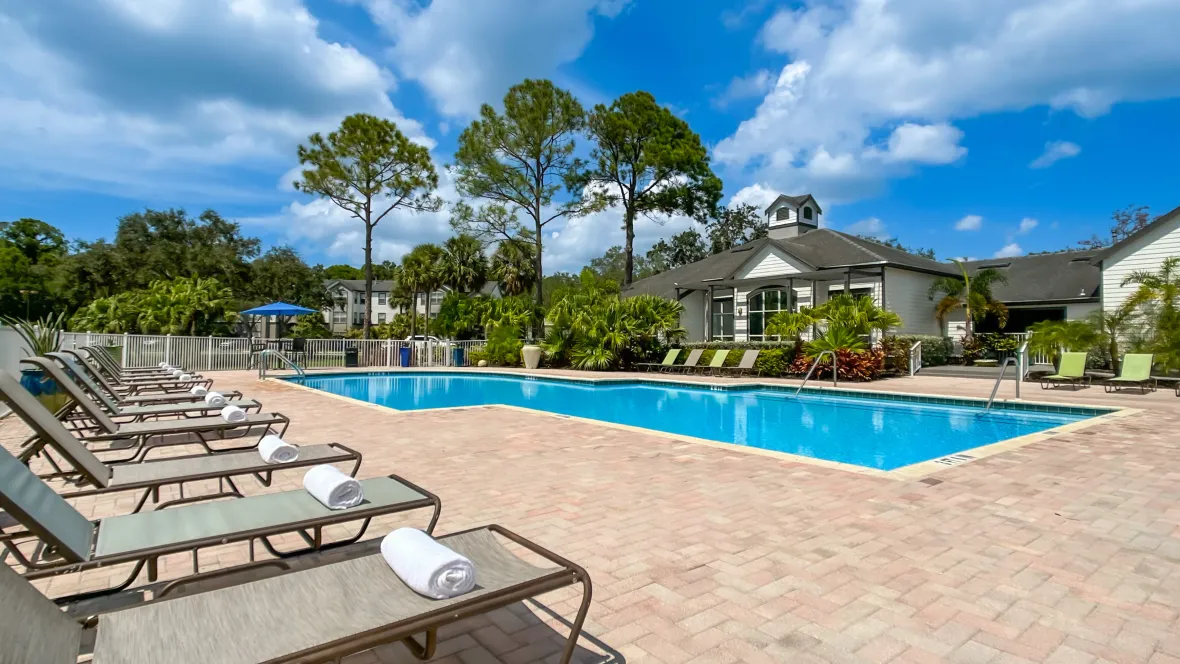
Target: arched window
<point>763,305</point>
<point>782,214</point>
<point>807,213</point>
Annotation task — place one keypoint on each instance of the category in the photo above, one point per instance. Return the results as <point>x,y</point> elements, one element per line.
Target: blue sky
<point>975,127</point>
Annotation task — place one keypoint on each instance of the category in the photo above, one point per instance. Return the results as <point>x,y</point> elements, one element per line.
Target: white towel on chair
<point>427,567</point>
<point>333,488</point>
<point>199,391</point>
<point>177,373</point>
<point>162,365</point>
<point>233,414</point>
<point>184,378</point>
<point>214,399</point>
<point>276,450</point>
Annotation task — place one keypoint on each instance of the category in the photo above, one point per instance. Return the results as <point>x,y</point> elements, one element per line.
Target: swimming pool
<point>870,430</point>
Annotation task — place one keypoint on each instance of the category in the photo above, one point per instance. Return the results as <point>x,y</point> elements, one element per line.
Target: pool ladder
<point>835,370</point>
<point>1021,354</point>
<point>270,352</point>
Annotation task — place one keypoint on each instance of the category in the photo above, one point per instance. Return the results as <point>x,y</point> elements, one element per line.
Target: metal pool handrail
<point>915,357</point>
<point>835,370</point>
<point>999,379</point>
<point>270,352</point>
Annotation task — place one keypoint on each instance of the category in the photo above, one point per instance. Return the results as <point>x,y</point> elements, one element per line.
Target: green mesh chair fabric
<point>82,377</point>
<point>274,511</point>
<point>1073,366</point>
<point>32,628</point>
<point>290,613</point>
<point>718,359</point>
<point>46,514</point>
<point>234,463</point>
<point>1136,368</point>
<point>51,432</point>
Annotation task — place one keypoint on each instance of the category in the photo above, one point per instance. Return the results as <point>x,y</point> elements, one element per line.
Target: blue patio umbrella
<point>279,309</point>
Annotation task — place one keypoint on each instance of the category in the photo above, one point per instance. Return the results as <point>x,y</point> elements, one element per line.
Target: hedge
<point>936,350</point>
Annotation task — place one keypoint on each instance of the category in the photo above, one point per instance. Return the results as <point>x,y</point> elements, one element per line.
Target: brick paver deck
<point>1061,551</point>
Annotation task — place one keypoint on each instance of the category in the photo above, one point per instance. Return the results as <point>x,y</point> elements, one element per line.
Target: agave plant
<point>40,337</point>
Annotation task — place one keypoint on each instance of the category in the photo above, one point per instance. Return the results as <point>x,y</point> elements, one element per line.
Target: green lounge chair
<point>321,614</point>
<point>744,366</point>
<point>1134,372</point>
<point>1072,371</point>
<point>669,360</point>
<point>690,362</point>
<point>151,476</point>
<point>715,365</point>
<point>57,539</point>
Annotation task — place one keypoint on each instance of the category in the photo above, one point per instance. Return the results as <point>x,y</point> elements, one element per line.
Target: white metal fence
<point>235,353</point>
<point>1036,357</point>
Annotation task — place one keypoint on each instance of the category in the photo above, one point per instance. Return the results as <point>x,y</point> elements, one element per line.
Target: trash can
<point>351,357</point>
<point>457,356</point>
<point>403,356</point>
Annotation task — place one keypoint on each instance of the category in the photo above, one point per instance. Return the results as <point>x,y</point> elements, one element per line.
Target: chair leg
<point>571,644</point>
<point>422,651</point>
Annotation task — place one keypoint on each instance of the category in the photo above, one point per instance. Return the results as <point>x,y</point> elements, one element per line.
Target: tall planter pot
<point>44,388</point>
<point>531,355</point>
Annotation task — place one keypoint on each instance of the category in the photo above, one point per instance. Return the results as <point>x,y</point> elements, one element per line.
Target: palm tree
<point>1111,325</point>
<point>1052,336</point>
<point>1161,288</point>
<point>514,267</point>
<point>971,294</point>
<point>464,266</point>
<point>420,272</point>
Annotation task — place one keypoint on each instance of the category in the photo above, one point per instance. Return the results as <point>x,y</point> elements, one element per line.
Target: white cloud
<point>1054,152</point>
<point>1009,250</point>
<point>468,53</point>
<point>744,87</point>
<point>872,227</point>
<point>160,100</point>
<point>1027,224</point>
<point>758,195</point>
<point>971,222</point>
<point>862,69</point>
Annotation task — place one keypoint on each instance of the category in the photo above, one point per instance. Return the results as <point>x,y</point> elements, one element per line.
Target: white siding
<point>1147,254</point>
<point>692,319</point>
<point>1081,310</point>
<point>769,262</point>
<point>906,295</point>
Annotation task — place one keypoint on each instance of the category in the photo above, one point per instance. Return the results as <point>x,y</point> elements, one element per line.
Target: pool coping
<point>1096,415</point>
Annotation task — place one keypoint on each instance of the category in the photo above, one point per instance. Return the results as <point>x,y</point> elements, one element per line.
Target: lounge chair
<point>130,371</point>
<point>669,360</point>
<point>79,386</point>
<point>715,364</point>
<point>125,397</point>
<point>690,362</point>
<point>141,384</point>
<point>314,615</point>
<point>1072,371</point>
<point>151,476</point>
<point>745,365</point>
<point>1134,372</point>
<point>63,541</point>
<point>142,437</point>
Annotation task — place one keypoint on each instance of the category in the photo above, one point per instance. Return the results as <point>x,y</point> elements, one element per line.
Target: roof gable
<point>792,200</point>
<point>1159,222</point>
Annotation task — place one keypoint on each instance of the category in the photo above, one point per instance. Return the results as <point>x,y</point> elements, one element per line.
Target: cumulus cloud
<point>971,222</point>
<point>1008,251</point>
<point>861,69</point>
<point>1054,152</point>
<point>872,227</point>
<point>467,53</point>
<point>168,99</point>
<point>1026,225</point>
<point>744,87</point>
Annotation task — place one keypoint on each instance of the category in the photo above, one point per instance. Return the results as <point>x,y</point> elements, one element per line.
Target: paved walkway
<point>1066,550</point>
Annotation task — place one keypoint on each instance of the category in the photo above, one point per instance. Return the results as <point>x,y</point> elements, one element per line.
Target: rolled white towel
<point>426,566</point>
<point>184,377</point>
<point>215,399</point>
<point>233,414</point>
<point>276,450</point>
<point>162,365</point>
<point>199,391</point>
<point>333,488</point>
<point>177,373</point>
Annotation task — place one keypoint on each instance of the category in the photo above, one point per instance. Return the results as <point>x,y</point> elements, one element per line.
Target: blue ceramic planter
<point>37,383</point>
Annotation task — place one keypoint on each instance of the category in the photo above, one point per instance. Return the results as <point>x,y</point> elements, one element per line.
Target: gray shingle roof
<point>1063,276</point>
<point>819,249</point>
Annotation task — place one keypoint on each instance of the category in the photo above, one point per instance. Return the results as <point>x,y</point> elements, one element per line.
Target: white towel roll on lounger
<point>184,378</point>
<point>233,414</point>
<point>199,391</point>
<point>427,567</point>
<point>177,373</point>
<point>215,399</point>
<point>276,450</point>
<point>333,488</point>
<point>162,365</point>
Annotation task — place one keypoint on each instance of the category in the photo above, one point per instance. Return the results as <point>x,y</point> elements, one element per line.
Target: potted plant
<point>41,337</point>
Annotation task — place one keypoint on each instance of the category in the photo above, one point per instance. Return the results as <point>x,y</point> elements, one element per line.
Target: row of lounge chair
<point>1134,372</point>
<point>271,612</point>
<point>715,367</point>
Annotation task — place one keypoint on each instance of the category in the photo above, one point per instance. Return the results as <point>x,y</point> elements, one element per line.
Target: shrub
<point>936,351</point>
<point>773,362</point>
<point>860,366</point>
<point>476,354</point>
<point>503,348</point>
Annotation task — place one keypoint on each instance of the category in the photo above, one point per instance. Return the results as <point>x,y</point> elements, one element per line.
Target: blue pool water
<point>859,430</point>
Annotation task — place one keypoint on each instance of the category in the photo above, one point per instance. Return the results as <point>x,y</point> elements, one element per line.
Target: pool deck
<point>1066,549</point>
